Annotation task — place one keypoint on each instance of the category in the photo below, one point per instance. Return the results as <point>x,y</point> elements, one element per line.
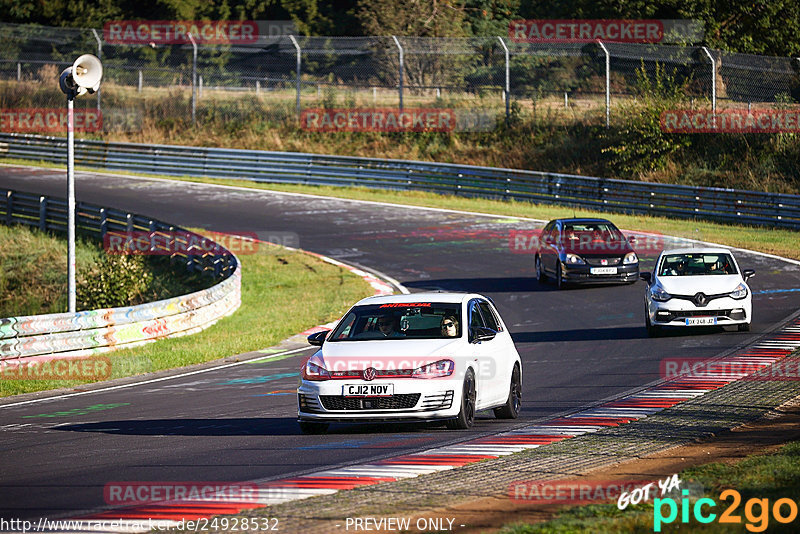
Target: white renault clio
<point>697,287</point>
<point>418,357</point>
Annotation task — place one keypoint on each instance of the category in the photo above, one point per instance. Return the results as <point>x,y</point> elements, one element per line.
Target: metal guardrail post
<point>297,74</point>
<point>194,78</point>
<point>9,207</point>
<point>100,57</point>
<point>713,81</point>
<point>608,81</point>
<point>508,79</point>
<point>400,72</point>
<point>43,213</point>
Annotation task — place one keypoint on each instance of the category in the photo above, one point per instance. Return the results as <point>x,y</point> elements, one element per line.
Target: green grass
<point>280,297</point>
<point>772,476</point>
<point>33,271</point>
<point>33,274</point>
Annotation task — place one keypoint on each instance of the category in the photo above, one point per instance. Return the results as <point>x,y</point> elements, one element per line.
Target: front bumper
<point>582,274</point>
<point>675,312</point>
<point>412,400</point>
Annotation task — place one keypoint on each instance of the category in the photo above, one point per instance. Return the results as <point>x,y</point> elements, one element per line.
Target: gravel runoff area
<point>715,412</point>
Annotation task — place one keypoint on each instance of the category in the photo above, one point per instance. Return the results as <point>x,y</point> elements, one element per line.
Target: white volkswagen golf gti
<point>418,357</point>
<point>697,287</point>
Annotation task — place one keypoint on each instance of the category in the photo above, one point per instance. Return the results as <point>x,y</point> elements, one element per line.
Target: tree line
<point>767,27</point>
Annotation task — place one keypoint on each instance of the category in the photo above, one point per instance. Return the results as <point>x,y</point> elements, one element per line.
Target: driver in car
<point>388,327</point>
<point>449,326</point>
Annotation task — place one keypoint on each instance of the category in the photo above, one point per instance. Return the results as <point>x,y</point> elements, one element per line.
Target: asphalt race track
<point>238,423</point>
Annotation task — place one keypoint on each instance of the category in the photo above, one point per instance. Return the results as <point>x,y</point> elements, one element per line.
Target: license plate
<point>701,321</point>
<point>603,270</point>
<point>368,390</point>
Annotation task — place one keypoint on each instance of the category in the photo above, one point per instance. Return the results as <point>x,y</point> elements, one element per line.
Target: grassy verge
<point>770,240</point>
<point>33,275</point>
<point>280,297</point>
<point>773,476</point>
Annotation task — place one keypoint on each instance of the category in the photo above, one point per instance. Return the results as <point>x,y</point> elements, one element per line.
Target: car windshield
<point>416,320</point>
<point>694,264</point>
<point>591,232</point>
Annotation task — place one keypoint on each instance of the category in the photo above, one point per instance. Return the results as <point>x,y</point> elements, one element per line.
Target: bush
<point>639,145</point>
<point>113,281</point>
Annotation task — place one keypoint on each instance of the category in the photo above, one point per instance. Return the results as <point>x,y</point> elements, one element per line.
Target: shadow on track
<point>256,426</point>
<point>481,285</point>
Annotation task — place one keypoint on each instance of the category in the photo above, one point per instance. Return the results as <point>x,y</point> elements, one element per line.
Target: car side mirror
<point>318,338</point>
<point>646,276</point>
<point>481,333</point>
<point>747,274</point>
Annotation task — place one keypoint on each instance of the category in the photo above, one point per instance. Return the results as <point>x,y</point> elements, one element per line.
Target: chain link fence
<point>277,78</point>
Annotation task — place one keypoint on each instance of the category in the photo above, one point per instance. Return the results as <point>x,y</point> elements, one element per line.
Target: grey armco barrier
<point>622,196</point>
<point>95,331</point>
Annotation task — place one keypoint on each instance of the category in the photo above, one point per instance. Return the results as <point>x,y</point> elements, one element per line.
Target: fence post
<point>43,213</point>
<point>508,80</point>
<point>140,80</point>
<point>400,84</point>
<point>19,72</point>
<point>194,78</point>
<point>297,74</point>
<point>200,86</point>
<point>103,223</point>
<point>608,80</point>
<point>713,81</point>
<point>100,57</point>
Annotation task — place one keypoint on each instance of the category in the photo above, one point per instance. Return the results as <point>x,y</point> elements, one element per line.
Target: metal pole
<point>297,75</point>
<point>713,81</point>
<point>19,72</point>
<point>140,81</point>
<point>194,78</point>
<point>508,80</point>
<point>71,291</point>
<point>100,57</point>
<point>400,84</point>
<point>200,86</point>
<point>608,81</point>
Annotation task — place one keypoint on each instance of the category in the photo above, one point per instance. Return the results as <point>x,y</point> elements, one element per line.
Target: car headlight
<point>435,369</point>
<point>657,293</point>
<point>630,258</point>
<point>574,259</point>
<point>314,372</point>
<point>740,292</point>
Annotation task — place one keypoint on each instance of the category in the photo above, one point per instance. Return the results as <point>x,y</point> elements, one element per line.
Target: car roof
<point>428,296</point>
<point>583,220</point>
<point>697,250</point>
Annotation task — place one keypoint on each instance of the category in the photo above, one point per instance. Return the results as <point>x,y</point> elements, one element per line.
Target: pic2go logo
<point>757,520</point>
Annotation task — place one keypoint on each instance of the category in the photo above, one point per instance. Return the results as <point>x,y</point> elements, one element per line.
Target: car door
<point>551,249</point>
<point>500,376</point>
<point>485,358</point>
